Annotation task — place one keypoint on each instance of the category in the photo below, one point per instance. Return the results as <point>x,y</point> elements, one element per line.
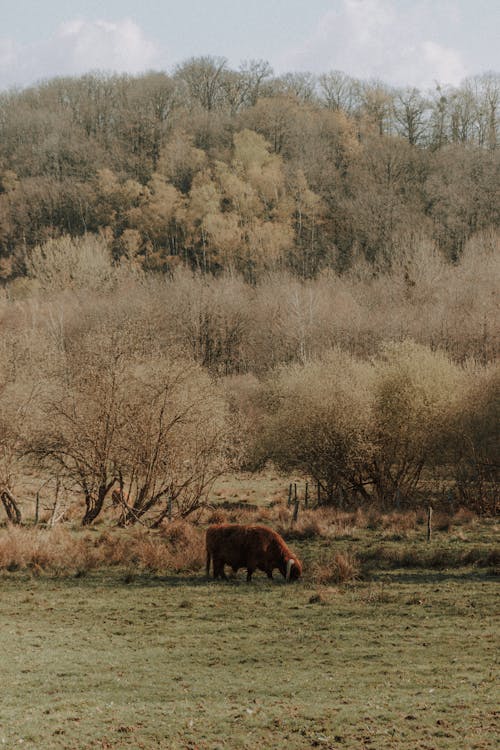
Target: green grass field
<point>404,658</point>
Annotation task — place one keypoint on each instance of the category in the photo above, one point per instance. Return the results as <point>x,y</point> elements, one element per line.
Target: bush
<point>336,568</point>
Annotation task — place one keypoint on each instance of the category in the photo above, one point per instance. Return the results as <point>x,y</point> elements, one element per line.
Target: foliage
<point>222,168</point>
<point>367,431</point>
<point>153,427</point>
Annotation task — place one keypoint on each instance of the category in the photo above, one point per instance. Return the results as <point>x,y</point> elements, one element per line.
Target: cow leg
<point>250,572</point>
<point>219,569</point>
<point>269,573</point>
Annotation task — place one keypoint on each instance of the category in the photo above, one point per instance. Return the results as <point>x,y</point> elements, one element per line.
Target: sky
<point>401,42</point>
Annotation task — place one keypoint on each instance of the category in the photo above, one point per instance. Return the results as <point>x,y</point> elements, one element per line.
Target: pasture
<point>122,657</point>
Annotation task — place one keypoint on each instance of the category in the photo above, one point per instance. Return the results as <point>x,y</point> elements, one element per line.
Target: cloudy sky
<point>403,42</point>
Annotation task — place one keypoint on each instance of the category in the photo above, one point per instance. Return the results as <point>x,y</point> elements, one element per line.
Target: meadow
<point>115,638</point>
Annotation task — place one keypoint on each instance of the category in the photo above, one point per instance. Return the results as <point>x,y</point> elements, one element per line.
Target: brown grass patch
<point>177,547</point>
<point>431,558</point>
<point>336,568</point>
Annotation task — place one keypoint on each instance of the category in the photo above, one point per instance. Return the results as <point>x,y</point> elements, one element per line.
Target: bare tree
<point>340,91</point>
<point>172,442</point>
<point>410,113</point>
<point>203,77</point>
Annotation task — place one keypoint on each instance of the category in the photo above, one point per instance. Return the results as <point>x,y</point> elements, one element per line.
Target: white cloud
<point>386,39</point>
<point>77,47</point>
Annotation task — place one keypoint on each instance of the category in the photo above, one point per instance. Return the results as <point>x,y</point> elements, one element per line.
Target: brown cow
<point>249,547</point>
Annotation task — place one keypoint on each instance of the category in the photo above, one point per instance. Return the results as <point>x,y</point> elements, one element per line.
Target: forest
<point>243,170</point>
<point>215,269</point>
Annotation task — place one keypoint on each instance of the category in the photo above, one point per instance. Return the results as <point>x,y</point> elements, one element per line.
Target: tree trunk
<point>11,506</point>
<point>94,504</point>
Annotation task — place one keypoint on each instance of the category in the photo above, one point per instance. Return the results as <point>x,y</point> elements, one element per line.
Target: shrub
<point>336,568</point>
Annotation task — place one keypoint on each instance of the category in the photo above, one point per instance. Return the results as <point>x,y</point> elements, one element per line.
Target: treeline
<point>128,392</point>
<point>242,170</point>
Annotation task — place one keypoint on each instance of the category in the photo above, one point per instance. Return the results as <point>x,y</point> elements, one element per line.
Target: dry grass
<point>421,557</point>
<point>336,568</point>
<point>178,547</point>
<point>41,549</point>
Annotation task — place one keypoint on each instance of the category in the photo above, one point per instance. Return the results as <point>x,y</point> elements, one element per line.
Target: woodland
<point>215,269</point>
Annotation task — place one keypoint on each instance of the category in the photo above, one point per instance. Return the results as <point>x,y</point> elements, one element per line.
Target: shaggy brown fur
<point>249,547</point>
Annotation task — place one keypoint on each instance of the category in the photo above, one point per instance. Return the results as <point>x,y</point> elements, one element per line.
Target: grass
<point>125,658</point>
<point>112,638</point>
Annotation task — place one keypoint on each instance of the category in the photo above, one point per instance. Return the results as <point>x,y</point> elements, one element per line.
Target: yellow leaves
<point>268,241</point>
<point>225,234</point>
<point>262,170</point>
<point>180,160</point>
<point>237,192</point>
<point>241,214</point>
<point>306,201</point>
<point>251,150</point>
<point>204,197</point>
<point>115,197</point>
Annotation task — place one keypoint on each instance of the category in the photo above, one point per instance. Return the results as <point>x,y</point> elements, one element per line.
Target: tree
<point>416,396</point>
<point>15,420</point>
<point>473,444</point>
<point>340,92</point>
<point>204,80</point>
<point>83,415</point>
<point>410,114</point>
<point>117,416</point>
<point>172,443</point>
<point>317,422</point>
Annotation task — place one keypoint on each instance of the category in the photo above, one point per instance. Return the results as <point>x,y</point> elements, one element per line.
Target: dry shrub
<point>177,547</point>
<point>217,515</point>
<point>241,515</point>
<point>55,549</point>
<point>179,533</point>
<point>441,521</point>
<point>147,552</point>
<point>185,546</point>
<point>439,559</point>
<point>400,522</point>
<point>309,525</point>
<point>464,517</point>
<point>336,568</point>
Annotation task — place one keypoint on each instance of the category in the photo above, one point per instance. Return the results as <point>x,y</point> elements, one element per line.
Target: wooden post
<point>306,496</point>
<point>295,510</point>
<point>37,508</point>
<point>289,496</point>
<point>56,501</point>
<point>429,523</point>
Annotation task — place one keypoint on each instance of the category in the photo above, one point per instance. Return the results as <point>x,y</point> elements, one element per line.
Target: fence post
<point>306,496</point>
<point>295,510</point>
<point>53,518</point>
<point>429,523</point>
<point>37,508</point>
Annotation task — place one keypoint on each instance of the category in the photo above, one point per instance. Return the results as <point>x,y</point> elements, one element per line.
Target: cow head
<point>293,569</point>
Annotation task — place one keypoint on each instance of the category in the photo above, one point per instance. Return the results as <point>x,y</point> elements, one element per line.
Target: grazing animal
<point>249,547</point>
